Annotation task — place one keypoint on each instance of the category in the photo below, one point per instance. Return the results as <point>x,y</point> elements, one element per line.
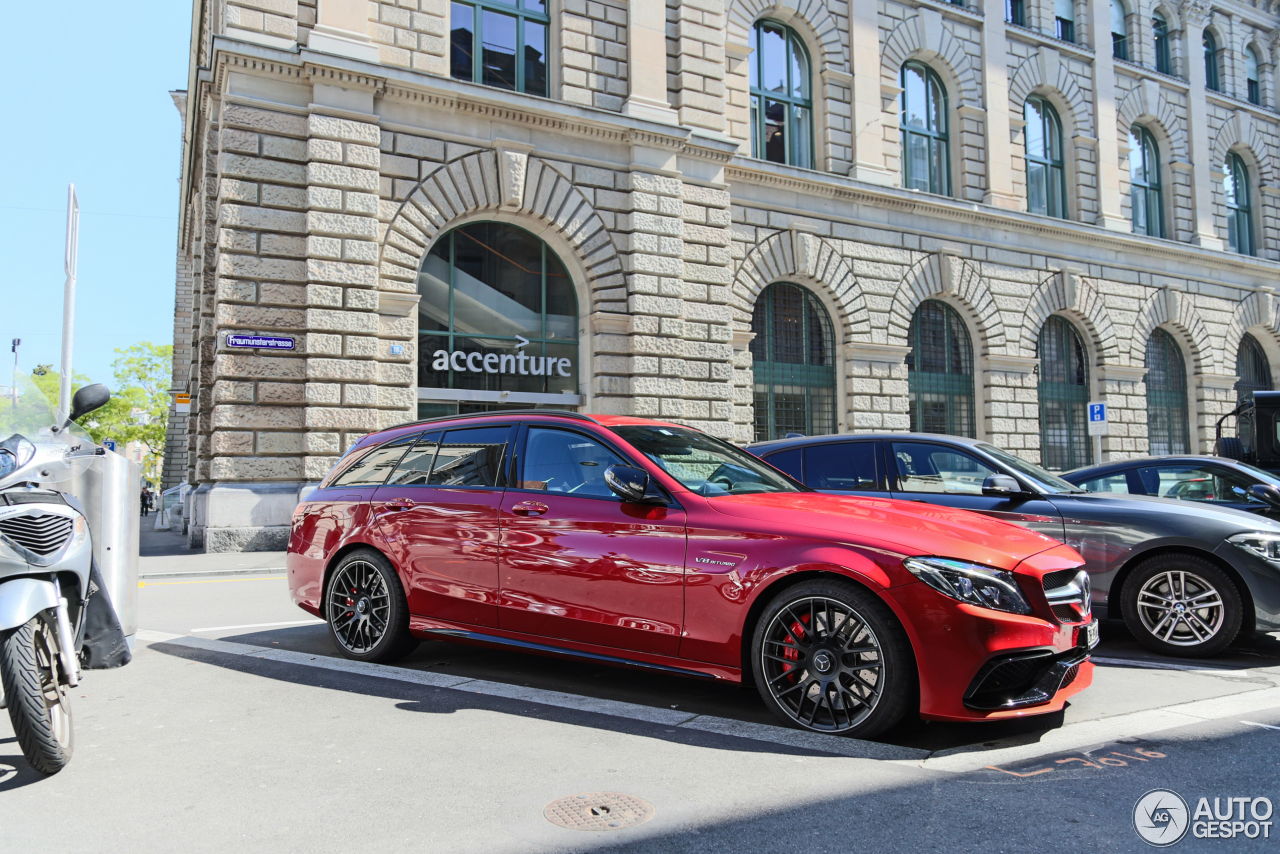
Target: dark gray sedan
<point>1182,575</point>
<point>1209,480</point>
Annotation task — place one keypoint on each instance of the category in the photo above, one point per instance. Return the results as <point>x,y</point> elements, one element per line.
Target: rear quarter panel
<point>323,525</point>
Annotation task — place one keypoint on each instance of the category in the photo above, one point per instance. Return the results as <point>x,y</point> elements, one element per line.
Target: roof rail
<point>497,413</point>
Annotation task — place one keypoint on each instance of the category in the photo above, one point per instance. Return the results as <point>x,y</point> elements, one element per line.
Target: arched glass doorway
<point>793,364</point>
<point>1253,367</point>
<point>1064,396</point>
<point>940,372</point>
<point>1167,431</point>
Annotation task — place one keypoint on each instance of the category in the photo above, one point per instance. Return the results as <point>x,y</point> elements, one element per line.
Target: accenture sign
<point>519,363</point>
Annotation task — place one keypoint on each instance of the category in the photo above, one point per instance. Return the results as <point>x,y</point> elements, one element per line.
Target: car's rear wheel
<point>830,657</point>
<point>1183,605</point>
<point>366,610</point>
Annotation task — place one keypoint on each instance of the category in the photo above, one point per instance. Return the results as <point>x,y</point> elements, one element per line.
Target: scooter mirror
<point>88,399</point>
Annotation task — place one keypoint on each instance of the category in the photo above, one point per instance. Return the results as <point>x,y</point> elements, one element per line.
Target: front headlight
<point>971,583</point>
<point>1265,546</point>
<point>79,532</point>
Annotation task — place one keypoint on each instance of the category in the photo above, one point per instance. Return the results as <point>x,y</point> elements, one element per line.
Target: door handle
<point>400,504</point>
<point>530,508</point>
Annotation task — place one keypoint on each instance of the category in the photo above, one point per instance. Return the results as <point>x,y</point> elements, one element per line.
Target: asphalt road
<point>237,728</point>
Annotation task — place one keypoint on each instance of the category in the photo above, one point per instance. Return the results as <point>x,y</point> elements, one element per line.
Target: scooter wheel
<point>39,705</point>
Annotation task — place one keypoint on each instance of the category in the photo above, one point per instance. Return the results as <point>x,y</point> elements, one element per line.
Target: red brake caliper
<point>791,653</point>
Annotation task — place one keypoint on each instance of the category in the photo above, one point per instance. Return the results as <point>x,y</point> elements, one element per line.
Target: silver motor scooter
<point>46,565</point>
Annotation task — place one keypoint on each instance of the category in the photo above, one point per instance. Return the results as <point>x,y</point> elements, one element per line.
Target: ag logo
<point>1160,817</point>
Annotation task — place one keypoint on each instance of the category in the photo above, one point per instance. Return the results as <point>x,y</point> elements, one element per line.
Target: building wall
<point>330,149</point>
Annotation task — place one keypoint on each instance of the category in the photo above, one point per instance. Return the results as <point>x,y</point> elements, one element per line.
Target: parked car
<point>1186,578</point>
<point>651,545</point>
<point>1212,480</point>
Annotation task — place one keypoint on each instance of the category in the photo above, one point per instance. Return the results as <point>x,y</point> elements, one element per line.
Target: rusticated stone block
<point>249,267</point>
<point>327,393</point>
<point>257,317</point>
<point>281,393</point>
<point>360,299</point>
<point>238,115</point>
<point>258,169</point>
<point>316,468</point>
<point>260,367</point>
<point>360,346</point>
<point>348,370</point>
<point>400,375</point>
<point>232,442</point>
<point>342,321</point>
<point>341,418</point>
<point>329,296</point>
<point>256,468</point>
<point>323,345</point>
<point>265,219</point>
<point>257,417</point>
<point>229,391</point>
<point>281,443</point>
<point>322,443</point>
<point>326,175</point>
<point>232,290</point>
<point>359,395</point>
<point>342,273</point>
<point>396,398</point>
<point>395,327</point>
<point>273,294</point>
<point>329,127</point>
<point>342,225</point>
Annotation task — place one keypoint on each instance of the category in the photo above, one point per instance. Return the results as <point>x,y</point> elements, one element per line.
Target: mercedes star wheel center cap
<point>362,606</point>
<point>822,662</point>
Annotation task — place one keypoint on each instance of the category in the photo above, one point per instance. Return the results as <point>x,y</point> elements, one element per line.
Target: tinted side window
<point>470,457</point>
<point>789,462</point>
<point>1118,482</point>
<point>938,469</point>
<point>842,465</point>
<point>372,467</point>
<point>567,462</point>
<point>416,465</point>
<point>1197,483</point>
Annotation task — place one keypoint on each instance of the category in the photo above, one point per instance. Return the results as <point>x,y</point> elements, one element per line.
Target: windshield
<point>706,465</point>
<point>1039,477</point>
<point>30,447</point>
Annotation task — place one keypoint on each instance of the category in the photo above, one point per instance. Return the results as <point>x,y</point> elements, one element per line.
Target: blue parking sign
<point>1097,418</point>
<point>1097,412</point>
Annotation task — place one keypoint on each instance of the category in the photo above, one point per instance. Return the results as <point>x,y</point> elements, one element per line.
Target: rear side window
<point>846,466</point>
<point>372,467</point>
<point>415,467</point>
<point>471,457</point>
<point>1118,482</point>
<point>1197,483</point>
<point>789,462</point>
<point>938,469</point>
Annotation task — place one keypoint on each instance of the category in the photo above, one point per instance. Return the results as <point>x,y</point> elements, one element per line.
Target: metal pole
<point>69,299</point>
<point>17,342</point>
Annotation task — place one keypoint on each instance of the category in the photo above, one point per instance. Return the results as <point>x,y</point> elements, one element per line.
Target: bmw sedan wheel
<point>366,610</point>
<point>1181,605</point>
<point>829,657</point>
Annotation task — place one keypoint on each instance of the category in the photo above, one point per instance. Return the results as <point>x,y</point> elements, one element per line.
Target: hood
<point>1171,512</point>
<point>901,527</point>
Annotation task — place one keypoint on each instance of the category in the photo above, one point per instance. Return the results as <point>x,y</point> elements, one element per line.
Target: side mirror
<point>628,483</point>
<point>1002,486</point>
<point>88,399</point>
<point>1266,493</point>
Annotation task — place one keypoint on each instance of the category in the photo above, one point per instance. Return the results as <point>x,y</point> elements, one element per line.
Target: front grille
<point>43,534</point>
<point>1068,593</point>
<point>1065,613</point>
<point>1070,677</point>
<point>1016,674</point>
<point>1060,578</point>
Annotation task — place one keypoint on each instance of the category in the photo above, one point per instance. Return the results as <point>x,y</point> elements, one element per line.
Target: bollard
<point>111,493</point>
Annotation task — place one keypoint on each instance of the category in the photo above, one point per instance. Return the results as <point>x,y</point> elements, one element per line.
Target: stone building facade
<point>333,147</point>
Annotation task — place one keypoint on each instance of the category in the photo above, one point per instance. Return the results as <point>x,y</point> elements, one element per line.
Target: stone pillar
<point>342,28</point>
<point>1124,390</point>
<point>877,387</point>
<point>273,23</point>
<point>995,95</point>
<point>1204,232</point>
<point>1011,404</point>
<point>868,107</point>
<point>1110,214</point>
<point>696,62</point>
<point>647,63</point>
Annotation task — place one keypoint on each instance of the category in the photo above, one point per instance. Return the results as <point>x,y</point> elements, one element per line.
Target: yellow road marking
<point>212,581</point>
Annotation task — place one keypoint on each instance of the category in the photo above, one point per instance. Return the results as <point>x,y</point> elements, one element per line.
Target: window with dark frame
<point>1211,80</point>
<point>926,150</point>
<point>500,44</point>
<point>781,97</point>
<point>940,372</point>
<point>1253,367</point>
<point>793,364</point>
<point>1015,12</point>
<point>1160,33</point>
<point>1065,20</point>
<point>1252,78</point>
<point>1119,30</point>
<point>1046,175</point>
<point>1064,396</point>
<point>1235,191</point>
<point>1147,204</point>
<point>1167,431</point>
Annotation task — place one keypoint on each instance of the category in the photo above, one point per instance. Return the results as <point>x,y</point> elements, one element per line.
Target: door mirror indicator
<point>629,483</point>
<point>1266,493</point>
<point>1002,485</point>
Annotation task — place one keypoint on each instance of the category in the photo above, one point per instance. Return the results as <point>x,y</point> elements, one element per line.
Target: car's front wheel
<point>830,657</point>
<point>1183,605</point>
<point>366,610</point>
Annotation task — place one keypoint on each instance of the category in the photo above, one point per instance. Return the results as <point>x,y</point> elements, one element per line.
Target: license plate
<point>1088,635</point>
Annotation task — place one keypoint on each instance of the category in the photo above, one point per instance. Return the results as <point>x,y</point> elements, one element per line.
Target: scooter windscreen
<point>36,446</point>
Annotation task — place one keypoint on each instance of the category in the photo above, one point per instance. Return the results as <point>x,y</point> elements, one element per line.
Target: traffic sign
<point>109,444</point>
<point>1097,418</point>
<point>182,403</point>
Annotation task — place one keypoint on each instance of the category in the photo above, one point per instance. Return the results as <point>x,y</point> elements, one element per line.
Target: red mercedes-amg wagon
<point>652,545</point>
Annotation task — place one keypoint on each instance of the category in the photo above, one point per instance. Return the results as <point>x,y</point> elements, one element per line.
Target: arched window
<point>1046,181</point>
<point>1252,366</point>
<point>504,46</point>
<point>1235,188</point>
<point>1160,32</point>
<point>926,154</point>
<point>793,360</point>
<point>1210,62</point>
<point>1144,178</point>
<point>940,372</point>
<point>1119,31</point>
<point>1251,62</point>
<point>1065,19</point>
<point>781,97</point>
<point>484,287</point>
<point>1166,396</point>
<point>1064,396</point>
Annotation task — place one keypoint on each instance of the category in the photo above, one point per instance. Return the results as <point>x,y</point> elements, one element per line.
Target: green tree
<point>139,406</point>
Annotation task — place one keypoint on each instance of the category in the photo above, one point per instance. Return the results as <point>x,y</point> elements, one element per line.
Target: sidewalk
<point>165,554</point>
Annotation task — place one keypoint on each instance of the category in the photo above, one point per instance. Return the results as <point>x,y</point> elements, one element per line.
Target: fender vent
<point>42,534</point>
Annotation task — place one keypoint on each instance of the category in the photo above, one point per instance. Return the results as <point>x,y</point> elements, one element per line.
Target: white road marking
<point>1264,726</point>
<point>1166,665</point>
<point>1074,736</point>
<point>262,625</point>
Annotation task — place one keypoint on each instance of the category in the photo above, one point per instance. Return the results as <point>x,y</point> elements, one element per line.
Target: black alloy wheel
<point>1183,605</point>
<point>366,610</point>
<point>830,657</point>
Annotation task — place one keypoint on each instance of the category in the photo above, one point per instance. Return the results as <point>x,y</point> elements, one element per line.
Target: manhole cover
<point>598,811</point>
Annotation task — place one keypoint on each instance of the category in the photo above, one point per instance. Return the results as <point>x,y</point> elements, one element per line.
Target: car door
<point>579,564</point>
<point>951,476</point>
<point>1206,483</point>
<point>439,515</point>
